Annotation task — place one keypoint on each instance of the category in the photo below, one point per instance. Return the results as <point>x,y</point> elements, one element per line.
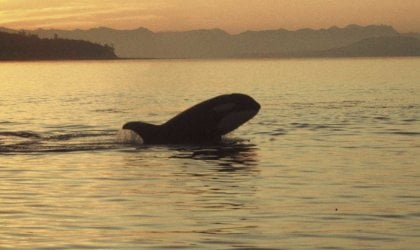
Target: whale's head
<point>148,132</point>
<point>234,110</point>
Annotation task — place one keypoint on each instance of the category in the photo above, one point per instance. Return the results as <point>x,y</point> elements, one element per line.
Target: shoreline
<point>206,58</point>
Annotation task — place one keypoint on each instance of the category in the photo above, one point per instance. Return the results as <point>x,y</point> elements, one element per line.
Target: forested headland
<point>26,46</point>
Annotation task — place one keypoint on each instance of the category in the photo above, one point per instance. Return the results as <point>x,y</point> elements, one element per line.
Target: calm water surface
<point>330,162</point>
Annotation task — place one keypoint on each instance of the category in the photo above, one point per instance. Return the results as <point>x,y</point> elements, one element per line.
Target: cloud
<point>230,15</point>
<point>58,14</point>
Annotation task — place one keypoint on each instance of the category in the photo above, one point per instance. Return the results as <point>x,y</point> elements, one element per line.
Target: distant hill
<point>216,43</point>
<point>24,46</point>
<point>378,46</point>
<point>412,34</point>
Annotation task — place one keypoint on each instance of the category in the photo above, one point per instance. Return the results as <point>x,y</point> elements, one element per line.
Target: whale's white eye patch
<point>224,107</point>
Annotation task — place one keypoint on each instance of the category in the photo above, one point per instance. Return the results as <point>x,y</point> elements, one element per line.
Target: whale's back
<point>209,120</point>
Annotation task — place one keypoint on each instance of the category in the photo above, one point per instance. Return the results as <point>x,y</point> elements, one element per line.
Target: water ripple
<point>31,142</point>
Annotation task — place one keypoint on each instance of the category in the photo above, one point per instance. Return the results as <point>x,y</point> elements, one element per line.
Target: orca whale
<point>205,122</point>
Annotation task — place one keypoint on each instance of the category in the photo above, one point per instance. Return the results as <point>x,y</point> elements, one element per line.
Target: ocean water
<point>330,162</point>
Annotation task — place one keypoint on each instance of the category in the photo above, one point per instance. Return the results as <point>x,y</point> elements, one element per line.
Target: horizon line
<point>208,29</point>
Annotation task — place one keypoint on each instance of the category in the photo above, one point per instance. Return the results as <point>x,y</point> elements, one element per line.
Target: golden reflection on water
<point>330,161</point>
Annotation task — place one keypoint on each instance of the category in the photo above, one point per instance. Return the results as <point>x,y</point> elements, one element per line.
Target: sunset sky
<point>231,15</point>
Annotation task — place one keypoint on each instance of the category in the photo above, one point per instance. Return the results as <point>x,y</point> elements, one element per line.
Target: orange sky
<point>231,15</point>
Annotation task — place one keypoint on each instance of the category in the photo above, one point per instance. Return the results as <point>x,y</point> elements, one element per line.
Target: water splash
<point>126,136</point>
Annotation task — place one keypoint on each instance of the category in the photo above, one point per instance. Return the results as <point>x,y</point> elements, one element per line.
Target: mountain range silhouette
<point>350,41</point>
